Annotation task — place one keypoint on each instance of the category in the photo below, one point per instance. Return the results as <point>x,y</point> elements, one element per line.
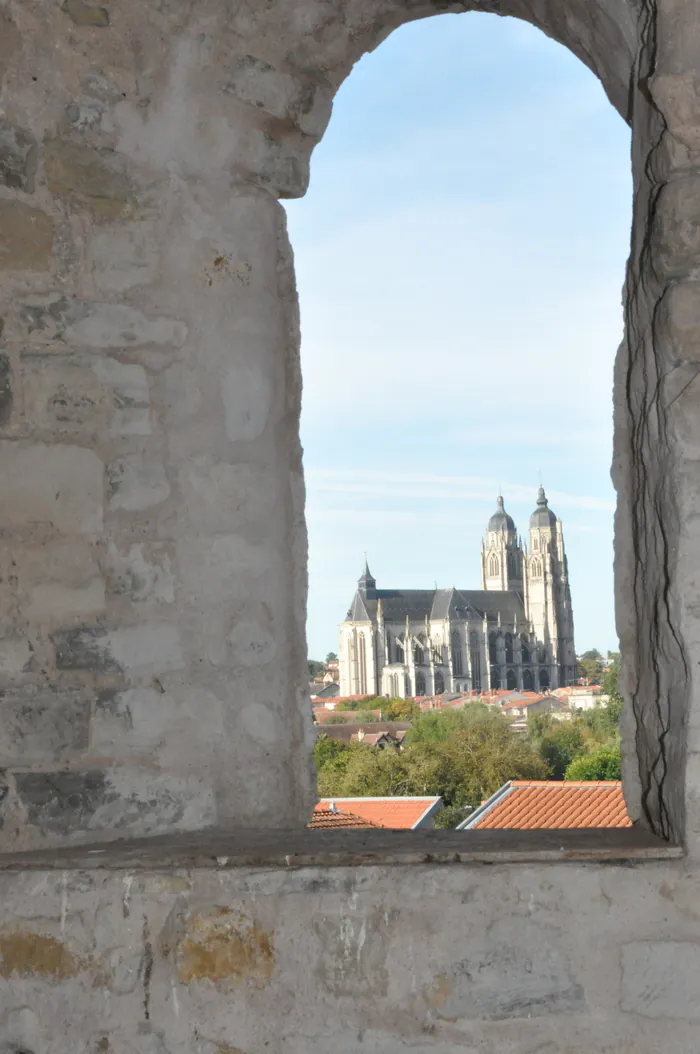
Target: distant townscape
<point>469,708</point>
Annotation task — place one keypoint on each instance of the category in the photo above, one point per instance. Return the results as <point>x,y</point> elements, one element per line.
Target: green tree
<point>337,719</point>
<point>468,766</point>
<point>331,657</point>
<point>316,668</point>
<point>399,709</point>
<point>433,726</point>
<point>560,745</point>
<point>538,725</point>
<point>366,717</point>
<point>603,763</point>
<point>592,653</point>
<point>590,669</point>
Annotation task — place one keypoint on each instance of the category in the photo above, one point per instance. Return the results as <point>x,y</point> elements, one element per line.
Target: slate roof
<point>557,804</point>
<point>419,604</point>
<point>403,814</point>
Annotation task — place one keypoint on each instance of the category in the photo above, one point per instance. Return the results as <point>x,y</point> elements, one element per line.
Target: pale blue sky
<point>460,257</point>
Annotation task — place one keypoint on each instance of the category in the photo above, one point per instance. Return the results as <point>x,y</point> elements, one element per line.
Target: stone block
<point>125,256</point>
<point>128,384</point>
<point>26,237</point>
<point>221,569</point>
<point>675,235</point>
<point>136,482</point>
<point>18,156</point>
<point>64,398</point>
<point>141,572</point>
<point>63,802</point>
<point>218,945</point>
<point>86,14</point>
<point>16,654</point>
<point>120,326</point>
<point>142,650</point>
<point>94,178</point>
<point>661,979</point>
<point>59,581</point>
<point>40,724</point>
<point>508,978</point>
<point>286,96</point>
<point>247,395</point>
<point>46,316</point>
<point>57,486</point>
<point>221,497</point>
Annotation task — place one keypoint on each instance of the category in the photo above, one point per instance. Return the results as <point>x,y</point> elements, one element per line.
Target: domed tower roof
<point>501,520</point>
<point>543,515</point>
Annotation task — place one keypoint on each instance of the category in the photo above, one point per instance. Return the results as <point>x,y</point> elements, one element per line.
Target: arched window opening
<point>535,543</point>
<point>511,681</point>
<point>494,566</point>
<point>524,649</point>
<point>544,678</point>
<point>509,647</point>
<point>439,683</point>
<point>495,678</point>
<point>528,681</point>
<point>398,655</point>
<point>457,666</point>
<point>493,647</point>
<point>420,683</point>
<point>536,568</point>
<point>512,568</point>
<point>418,655</point>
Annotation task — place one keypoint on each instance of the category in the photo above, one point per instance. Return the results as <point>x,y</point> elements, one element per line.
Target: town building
<point>516,632</point>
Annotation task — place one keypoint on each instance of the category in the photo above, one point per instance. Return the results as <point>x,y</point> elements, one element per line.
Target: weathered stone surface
<point>222,946</point>
<point>116,326</point>
<point>59,581</point>
<point>86,14</point>
<point>60,487</point>
<point>661,979</point>
<point>247,395</point>
<point>6,397</point>
<point>18,156</point>
<point>94,178</point>
<point>61,802</point>
<point>142,573</point>
<point>46,316</point>
<point>26,237</point>
<point>138,650</point>
<point>125,256</point>
<point>39,724</point>
<point>137,482</point>
<point>282,95</point>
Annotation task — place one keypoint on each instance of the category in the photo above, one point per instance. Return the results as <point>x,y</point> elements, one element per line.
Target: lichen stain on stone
<point>223,945</point>
<point>29,954</point>
<point>224,1048</point>
<point>440,992</point>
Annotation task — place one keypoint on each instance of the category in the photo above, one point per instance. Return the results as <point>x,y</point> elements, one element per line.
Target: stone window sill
<point>216,848</point>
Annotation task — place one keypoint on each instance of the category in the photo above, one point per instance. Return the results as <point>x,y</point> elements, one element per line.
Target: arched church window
<point>439,683</point>
<point>536,542</point>
<point>493,638</point>
<point>512,569</point>
<point>495,678</point>
<point>509,647</point>
<point>398,655</point>
<point>528,681</point>
<point>420,683</point>
<point>544,678</point>
<point>456,654</point>
<point>493,565</point>
<point>418,655</point>
<point>524,649</point>
<point>536,568</point>
<point>510,680</point>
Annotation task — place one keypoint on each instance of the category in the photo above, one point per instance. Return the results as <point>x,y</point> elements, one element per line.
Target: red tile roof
<point>395,813</point>
<point>325,820</point>
<point>525,804</point>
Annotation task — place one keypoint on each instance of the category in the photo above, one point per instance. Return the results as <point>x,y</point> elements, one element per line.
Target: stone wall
<point>553,959</point>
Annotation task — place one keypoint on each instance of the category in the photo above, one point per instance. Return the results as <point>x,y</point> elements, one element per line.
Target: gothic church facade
<point>517,631</point>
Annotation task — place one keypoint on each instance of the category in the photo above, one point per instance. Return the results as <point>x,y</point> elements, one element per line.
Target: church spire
<point>366,583</point>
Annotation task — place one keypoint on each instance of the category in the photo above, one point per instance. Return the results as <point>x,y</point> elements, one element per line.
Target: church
<point>517,631</point>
